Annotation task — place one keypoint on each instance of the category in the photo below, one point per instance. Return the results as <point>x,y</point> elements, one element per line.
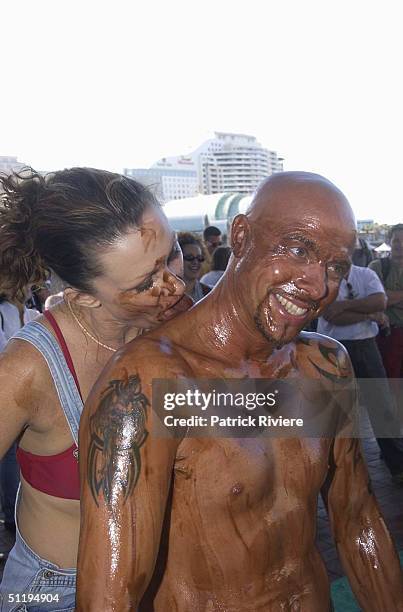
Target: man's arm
<point>347,312</point>
<point>362,539</point>
<point>126,475</point>
<point>349,318</point>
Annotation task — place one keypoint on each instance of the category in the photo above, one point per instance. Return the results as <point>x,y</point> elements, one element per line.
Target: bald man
<point>213,524</point>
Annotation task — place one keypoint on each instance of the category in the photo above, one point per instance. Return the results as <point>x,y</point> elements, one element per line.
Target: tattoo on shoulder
<point>117,432</point>
<point>330,355</point>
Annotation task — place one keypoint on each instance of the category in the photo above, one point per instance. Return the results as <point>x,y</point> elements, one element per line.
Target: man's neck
<point>223,332</point>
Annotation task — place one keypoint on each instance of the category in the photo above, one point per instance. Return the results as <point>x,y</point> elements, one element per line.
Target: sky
<point>122,84</point>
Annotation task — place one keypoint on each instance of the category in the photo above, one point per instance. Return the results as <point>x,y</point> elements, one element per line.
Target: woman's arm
<point>18,390</point>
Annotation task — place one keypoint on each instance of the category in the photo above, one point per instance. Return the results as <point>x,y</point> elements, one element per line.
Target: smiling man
<point>197,524</point>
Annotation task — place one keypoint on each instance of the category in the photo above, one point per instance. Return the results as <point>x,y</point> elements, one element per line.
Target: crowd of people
<point>367,318</point>
<point>102,244</point>
<point>204,262</point>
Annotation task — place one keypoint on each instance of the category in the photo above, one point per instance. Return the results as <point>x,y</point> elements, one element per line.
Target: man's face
<point>212,242</point>
<point>296,262</point>
<point>397,246</point>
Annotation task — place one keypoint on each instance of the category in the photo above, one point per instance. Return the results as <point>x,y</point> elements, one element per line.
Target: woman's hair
<point>185,238</point>
<point>59,223</point>
<point>221,257</point>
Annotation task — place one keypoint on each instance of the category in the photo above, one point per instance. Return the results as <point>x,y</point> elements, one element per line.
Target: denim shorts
<point>32,584</point>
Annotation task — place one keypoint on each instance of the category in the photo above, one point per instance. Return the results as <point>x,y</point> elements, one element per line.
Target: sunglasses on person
<point>199,258</point>
<point>351,294</point>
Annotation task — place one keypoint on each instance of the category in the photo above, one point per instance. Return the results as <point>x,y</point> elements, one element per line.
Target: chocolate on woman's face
<point>139,281</point>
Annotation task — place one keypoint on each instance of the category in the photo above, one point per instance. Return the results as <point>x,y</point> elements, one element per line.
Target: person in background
<point>107,239</point>
<point>362,254</point>
<point>12,318</point>
<point>390,272</point>
<point>221,257</point>
<point>353,320</point>
<point>212,238</point>
<point>193,258</point>
<point>39,295</point>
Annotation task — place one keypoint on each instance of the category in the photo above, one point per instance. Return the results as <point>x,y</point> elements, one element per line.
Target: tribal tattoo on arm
<point>117,432</point>
<point>334,366</point>
<point>338,386</point>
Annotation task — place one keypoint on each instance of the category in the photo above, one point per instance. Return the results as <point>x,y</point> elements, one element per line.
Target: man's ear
<point>240,235</point>
<point>80,298</point>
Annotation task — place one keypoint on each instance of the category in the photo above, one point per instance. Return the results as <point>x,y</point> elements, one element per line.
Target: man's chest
<point>247,473</point>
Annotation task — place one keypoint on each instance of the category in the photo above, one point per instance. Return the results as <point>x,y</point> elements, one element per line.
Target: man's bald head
<point>297,195</point>
<point>291,250</point>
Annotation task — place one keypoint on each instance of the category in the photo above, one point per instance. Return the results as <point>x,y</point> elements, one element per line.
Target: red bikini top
<point>56,475</point>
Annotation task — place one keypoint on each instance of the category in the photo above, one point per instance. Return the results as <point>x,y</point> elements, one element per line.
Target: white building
<point>171,178</point>
<point>9,163</point>
<point>228,163</point>
<point>234,163</point>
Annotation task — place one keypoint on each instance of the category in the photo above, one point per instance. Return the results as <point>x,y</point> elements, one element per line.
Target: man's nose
<point>313,281</point>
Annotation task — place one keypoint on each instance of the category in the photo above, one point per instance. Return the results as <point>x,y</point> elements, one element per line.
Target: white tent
<point>383,248</point>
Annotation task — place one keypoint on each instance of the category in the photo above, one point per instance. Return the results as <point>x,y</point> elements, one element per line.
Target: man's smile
<point>290,307</point>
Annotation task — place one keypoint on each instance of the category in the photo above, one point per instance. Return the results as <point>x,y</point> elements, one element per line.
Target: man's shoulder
<point>314,341</point>
<point>364,272</point>
<point>137,365</point>
<point>321,356</point>
<point>153,356</point>
<point>367,280</point>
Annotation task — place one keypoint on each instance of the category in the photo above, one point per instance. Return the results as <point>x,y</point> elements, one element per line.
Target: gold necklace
<point>87,333</point>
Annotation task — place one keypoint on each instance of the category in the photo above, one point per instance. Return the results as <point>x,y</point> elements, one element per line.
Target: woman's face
<point>192,261</point>
<point>140,281</point>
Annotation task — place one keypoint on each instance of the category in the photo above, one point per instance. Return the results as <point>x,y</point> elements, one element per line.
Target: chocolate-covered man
<point>214,524</point>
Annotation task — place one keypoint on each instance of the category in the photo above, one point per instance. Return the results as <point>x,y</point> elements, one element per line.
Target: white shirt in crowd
<point>10,321</point>
<point>364,282</point>
<point>211,278</point>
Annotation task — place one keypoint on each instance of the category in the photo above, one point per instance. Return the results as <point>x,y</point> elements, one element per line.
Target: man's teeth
<point>290,307</point>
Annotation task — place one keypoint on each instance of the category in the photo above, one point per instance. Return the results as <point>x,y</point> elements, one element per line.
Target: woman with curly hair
<point>107,239</point>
